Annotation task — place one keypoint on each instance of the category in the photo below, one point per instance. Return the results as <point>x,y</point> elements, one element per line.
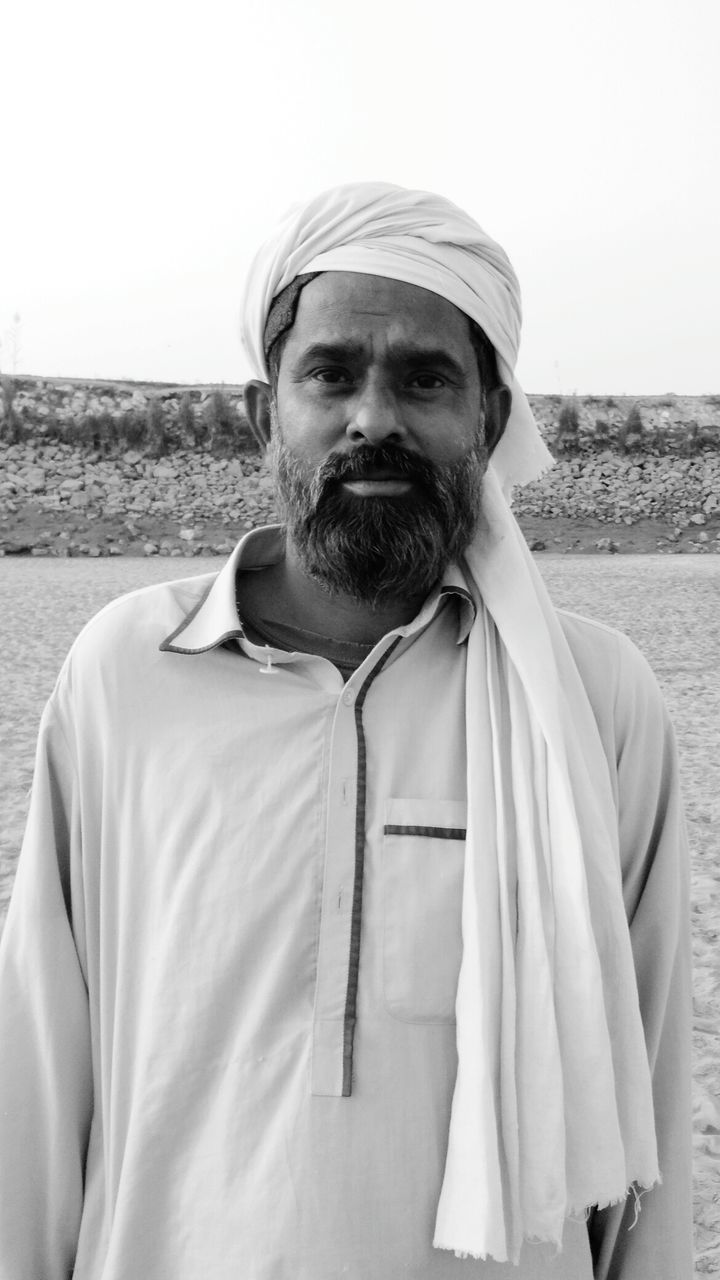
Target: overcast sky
<point>147,147</point>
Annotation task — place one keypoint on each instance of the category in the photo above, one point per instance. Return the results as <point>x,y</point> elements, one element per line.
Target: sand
<point>669,606</point>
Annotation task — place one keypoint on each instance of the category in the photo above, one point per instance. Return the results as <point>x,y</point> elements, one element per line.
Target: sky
<point>146,149</point>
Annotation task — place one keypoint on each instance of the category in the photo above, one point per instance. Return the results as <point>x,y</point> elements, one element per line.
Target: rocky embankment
<point>68,486</point>
<point>57,500</point>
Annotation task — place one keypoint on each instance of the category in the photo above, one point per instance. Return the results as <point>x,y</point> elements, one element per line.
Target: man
<point>350,930</point>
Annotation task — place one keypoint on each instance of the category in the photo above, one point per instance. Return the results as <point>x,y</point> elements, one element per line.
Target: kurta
<point>228,974</point>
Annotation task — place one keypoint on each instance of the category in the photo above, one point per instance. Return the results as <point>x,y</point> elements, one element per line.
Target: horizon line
<point>170,385</point>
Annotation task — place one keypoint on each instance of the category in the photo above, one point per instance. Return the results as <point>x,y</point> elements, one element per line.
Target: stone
<point>698,518</point>
<point>34,479</point>
<point>537,544</point>
<point>187,535</point>
<point>607,544</point>
<point>78,499</point>
<point>703,536</point>
<point>150,548</point>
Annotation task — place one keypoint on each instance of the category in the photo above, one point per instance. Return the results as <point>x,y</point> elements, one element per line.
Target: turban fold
<point>552,1109</point>
<point>377,229</point>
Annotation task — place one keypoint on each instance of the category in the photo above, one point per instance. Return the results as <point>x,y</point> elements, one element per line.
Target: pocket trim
<point>435,833</point>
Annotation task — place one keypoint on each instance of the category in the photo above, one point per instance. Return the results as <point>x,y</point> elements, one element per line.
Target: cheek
<point>306,430</point>
<point>452,442</point>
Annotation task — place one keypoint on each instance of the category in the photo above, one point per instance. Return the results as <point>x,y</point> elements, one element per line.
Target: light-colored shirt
<point>227,977</point>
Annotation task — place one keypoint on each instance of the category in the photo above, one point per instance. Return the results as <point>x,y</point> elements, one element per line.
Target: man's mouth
<point>378,483</point>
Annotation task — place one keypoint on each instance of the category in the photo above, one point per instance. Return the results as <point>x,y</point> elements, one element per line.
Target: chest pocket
<point>423,855</point>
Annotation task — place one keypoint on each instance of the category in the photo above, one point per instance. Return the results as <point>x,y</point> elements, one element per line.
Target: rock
<point>34,479</point>
<point>537,544</point>
<point>78,499</point>
<point>703,536</point>
<point>607,544</point>
<point>94,551</point>
<point>698,518</point>
<point>150,548</point>
<point>187,535</point>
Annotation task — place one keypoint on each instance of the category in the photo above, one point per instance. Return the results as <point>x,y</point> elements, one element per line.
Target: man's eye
<point>427,381</point>
<point>331,376</point>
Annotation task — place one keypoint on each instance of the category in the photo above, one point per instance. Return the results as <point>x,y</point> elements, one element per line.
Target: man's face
<point>378,444</point>
<point>370,361</point>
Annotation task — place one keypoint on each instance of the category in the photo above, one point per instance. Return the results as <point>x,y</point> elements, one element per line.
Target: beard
<point>378,549</point>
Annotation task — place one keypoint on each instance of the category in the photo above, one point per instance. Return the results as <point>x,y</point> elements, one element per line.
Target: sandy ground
<point>669,605</point>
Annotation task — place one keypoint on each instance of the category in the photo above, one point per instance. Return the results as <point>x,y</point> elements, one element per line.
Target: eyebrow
<point>401,353</point>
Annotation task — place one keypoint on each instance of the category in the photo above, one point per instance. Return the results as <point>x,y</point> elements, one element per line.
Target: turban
<point>377,229</point>
<point>552,1108</point>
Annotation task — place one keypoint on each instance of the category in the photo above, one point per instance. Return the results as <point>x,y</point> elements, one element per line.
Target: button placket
<point>340,921</point>
<point>337,906</point>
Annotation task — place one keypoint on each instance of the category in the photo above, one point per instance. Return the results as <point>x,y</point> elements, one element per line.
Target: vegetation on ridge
<point>109,418</point>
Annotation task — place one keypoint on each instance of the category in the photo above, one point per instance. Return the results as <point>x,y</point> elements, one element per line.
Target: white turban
<point>552,1110</point>
<point>377,229</point>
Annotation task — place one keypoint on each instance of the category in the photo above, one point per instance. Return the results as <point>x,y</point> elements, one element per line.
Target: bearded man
<point>350,930</point>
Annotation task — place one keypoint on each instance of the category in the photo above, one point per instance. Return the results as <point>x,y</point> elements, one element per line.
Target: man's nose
<point>376,416</point>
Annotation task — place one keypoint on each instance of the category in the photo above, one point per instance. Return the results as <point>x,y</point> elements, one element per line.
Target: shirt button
<point>348,697</point>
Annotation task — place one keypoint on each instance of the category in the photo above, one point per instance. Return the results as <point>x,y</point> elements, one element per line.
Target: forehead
<point>348,305</point>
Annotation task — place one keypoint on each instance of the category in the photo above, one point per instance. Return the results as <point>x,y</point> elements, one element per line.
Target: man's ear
<point>257,397</point>
<point>498,404</point>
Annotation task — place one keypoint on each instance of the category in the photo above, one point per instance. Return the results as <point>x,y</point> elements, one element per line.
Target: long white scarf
<point>552,1110</point>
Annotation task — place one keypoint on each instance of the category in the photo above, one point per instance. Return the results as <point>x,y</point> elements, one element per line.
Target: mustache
<point>366,461</point>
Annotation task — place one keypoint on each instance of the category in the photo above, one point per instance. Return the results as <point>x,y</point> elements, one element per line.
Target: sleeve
<point>45,1060</point>
<point>654,1243</point>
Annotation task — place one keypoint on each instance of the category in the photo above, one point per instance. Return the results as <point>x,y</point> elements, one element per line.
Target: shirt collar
<point>214,619</point>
